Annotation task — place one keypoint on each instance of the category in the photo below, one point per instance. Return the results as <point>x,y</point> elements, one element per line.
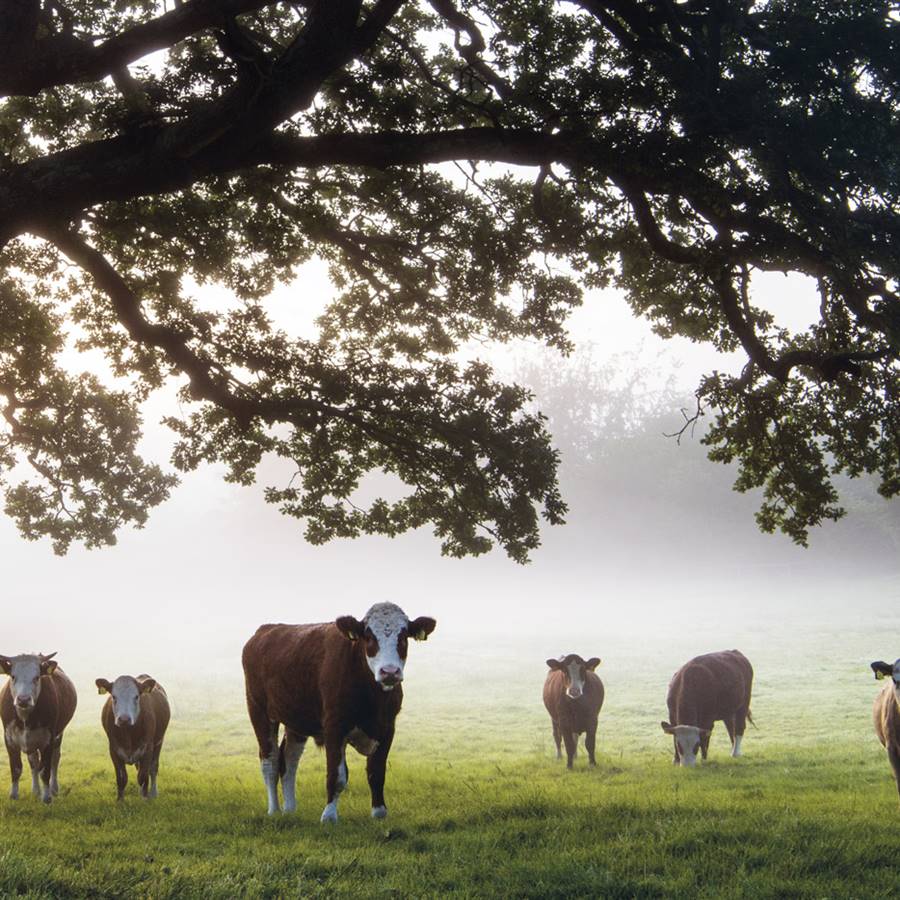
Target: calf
<point>709,687</point>
<point>337,682</point>
<point>887,714</point>
<point>135,717</point>
<point>573,695</point>
<point>36,704</point>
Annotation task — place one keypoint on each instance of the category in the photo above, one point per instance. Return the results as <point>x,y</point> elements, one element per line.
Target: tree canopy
<point>674,149</point>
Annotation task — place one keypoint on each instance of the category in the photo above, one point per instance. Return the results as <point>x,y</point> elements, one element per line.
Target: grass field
<point>478,804</point>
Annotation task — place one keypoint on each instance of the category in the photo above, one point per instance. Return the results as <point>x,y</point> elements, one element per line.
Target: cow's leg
<point>47,769</point>
<point>590,741</point>
<point>15,769</point>
<point>267,738</point>
<point>54,765</point>
<point>571,742</point>
<point>154,770</point>
<point>334,784</point>
<point>143,775</point>
<point>293,750</point>
<point>34,760</point>
<point>677,757</point>
<point>557,738</point>
<point>740,726</point>
<point>704,739</point>
<point>121,774</point>
<point>376,766</point>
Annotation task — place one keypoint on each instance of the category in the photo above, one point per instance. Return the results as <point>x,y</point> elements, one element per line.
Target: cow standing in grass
<point>708,688</point>
<point>337,682</point>
<point>573,695</point>
<point>36,704</point>
<point>135,718</point>
<point>887,713</point>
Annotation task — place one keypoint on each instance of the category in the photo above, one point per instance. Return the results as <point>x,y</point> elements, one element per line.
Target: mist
<point>658,550</point>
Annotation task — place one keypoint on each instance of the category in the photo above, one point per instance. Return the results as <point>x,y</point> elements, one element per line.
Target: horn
<point>49,655</point>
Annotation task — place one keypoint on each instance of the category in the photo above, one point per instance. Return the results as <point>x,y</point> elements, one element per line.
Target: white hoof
<point>329,814</point>
<point>379,812</point>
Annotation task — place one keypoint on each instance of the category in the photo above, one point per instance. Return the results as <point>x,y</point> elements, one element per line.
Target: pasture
<point>478,804</point>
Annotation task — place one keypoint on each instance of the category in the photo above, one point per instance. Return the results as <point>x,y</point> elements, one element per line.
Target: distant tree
<point>674,148</point>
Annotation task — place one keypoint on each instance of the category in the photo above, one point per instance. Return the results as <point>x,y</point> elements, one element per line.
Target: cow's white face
<point>385,631</point>
<point>126,698</point>
<point>687,742</point>
<point>574,670</point>
<point>25,674</point>
<point>892,671</point>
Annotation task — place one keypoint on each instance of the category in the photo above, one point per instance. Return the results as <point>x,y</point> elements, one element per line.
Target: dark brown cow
<point>708,688</point>
<point>573,695</point>
<point>337,682</point>
<point>36,704</point>
<point>887,714</point>
<point>135,718</point>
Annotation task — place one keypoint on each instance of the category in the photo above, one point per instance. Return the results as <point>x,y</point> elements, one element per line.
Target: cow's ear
<point>879,668</point>
<point>667,728</point>
<point>5,664</point>
<point>420,628</point>
<point>48,666</point>
<point>592,663</point>
<point>103,686</point>
<point>554,664</point>
<point>147,685</point>
<point>349,627</point>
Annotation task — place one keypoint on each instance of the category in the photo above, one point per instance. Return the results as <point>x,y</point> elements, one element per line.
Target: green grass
<point>478,804</point>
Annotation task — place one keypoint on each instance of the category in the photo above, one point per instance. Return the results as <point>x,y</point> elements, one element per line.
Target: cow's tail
<point>281,764</point>
<point>750,718</point>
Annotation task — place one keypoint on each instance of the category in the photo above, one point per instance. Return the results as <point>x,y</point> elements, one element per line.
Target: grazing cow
<point>337,682</point>
<point>36,704</point>
<point>709,687</point>
<point>135,717</point>
<point>887,714</point>
<point>573,695</point>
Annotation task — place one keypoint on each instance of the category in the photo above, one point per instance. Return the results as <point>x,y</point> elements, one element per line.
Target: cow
<point>135,718</point>
<point>887,714</point>
<point>36,703</point>
<point>707,688</point>
<point>337,682</point>
<point>573,695</point>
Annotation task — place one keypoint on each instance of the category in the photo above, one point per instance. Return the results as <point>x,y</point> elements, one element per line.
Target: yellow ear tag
<point>879,676</point>
<point>102,690</point>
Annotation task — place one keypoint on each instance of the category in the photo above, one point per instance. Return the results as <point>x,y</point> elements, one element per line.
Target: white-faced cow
<point>36,703</point>
<point>337,682</point>
<point>708,688</point>
<point>573,695</point>
<point>135,718</point>
<point>887,713</point>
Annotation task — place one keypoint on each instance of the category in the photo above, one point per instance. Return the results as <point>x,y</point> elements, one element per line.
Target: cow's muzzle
<point>123,722</point>
<point>390,675</point>
<point>24,702</point>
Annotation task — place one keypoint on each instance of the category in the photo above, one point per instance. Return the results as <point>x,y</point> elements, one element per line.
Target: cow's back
<point>284,666</point>
<point>156,701</point>
<point>710,687</point>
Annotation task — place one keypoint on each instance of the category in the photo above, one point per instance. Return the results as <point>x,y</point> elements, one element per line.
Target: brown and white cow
<point>705,689</point>
<point>887,713</point>
<point>573,695</point>
<point>337,682</point>
<point>36,704</point>
<point>135,718</point>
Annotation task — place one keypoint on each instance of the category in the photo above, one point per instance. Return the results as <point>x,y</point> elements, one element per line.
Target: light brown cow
<point>887,714</point>
<point>573,695</point>
<point>36,704</point>
<point>706,689</point>
<point>337,682</point>
<point>135,718</point>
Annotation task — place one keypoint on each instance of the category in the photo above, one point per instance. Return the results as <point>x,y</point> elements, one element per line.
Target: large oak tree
<point>672,148</point>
